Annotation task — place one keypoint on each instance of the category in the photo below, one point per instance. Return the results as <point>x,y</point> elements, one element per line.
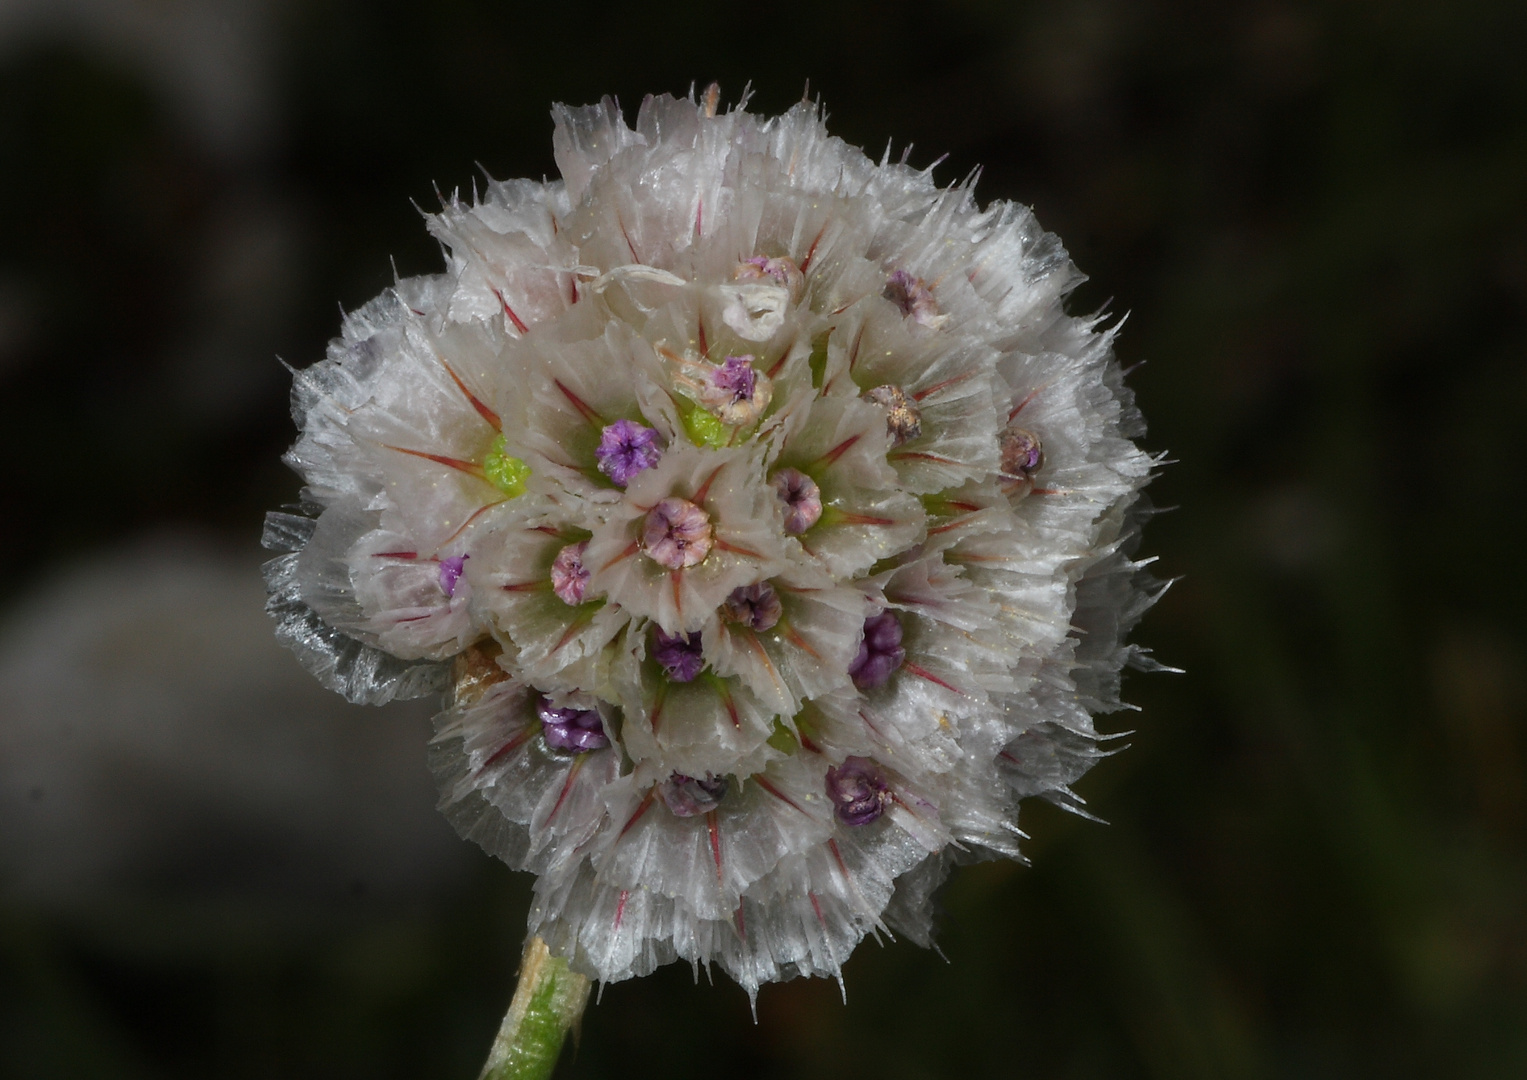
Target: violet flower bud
<point>677,534</point>
<point>755,606</point>
<point>858,790</point>
<point>802,499</point>
<point>450,573</point>
<point>1022,452</point>
<point>680,655</point>
<point>569,577</point>
<point>688,796</point>
<point>625,449</point>
<point>880,653</point>
<point>571,730</point>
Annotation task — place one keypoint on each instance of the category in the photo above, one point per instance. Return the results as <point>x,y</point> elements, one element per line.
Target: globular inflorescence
<point>764,516</point>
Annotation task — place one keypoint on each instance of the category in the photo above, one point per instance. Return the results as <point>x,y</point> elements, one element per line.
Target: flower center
<point>687,796</point>
<point>802,499</point>
<point>625,449</point>
<point>780,271</point>
<point>1022,453</point>
<point>680,655</point>
<point>450,573</point>
<point>571,730</point>
<point>569,578</point>
<point>755,606</point>
<point>902,420</point>
<point>880,653</point>
<point>677,534</point>
<point>858,790</point>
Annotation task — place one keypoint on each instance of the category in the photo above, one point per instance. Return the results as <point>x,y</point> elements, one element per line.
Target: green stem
<point>548,1001</point>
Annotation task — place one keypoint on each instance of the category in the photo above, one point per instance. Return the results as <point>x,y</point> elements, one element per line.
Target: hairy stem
<point>548,1001</point>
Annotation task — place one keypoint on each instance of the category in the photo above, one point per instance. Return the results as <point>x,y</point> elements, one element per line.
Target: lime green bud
<point>705,429</point>
<point>505,472</point>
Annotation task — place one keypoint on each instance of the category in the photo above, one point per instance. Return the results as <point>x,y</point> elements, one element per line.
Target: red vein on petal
<point>509,747</point>
<point>567,785</point>
<point>509,311</point>
<point>584,409</point>
<point>811,251</point>
<point>394,554</point>
<point>440,459</point>
<point>832,846</point>
<point>629,246</point>
<point>763,654</point>
<point>780,795</point>
<point>658,701</point>
<point>715,842</point>
<point>936,387</point>
<point>705,487</point>
<point>471,518</point>
<point>864,519</point>
<point>731,706</point>
<point>924,673</point>
<point>700,333</point>
<point>816,906</point>
<point>577,627</point>
<point>918,455</point>
<point>838,451</point>
<point>620,907</point>
<point>482,410</point>
<point>726,546</point>
<point>631,550</point>
<point>640,810</point>
<point>799,642</point>
<point>1018,408</point>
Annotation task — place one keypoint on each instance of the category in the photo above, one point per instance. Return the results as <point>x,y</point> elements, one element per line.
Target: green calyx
<point>505,472</point>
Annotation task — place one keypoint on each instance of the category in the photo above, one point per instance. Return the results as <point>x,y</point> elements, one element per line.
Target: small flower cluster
<point>763,512</point>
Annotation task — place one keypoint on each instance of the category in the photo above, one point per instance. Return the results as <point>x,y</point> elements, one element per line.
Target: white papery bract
<point>766,517</point>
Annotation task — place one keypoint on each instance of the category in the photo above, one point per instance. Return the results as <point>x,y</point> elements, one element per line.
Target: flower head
<point>704,479</point>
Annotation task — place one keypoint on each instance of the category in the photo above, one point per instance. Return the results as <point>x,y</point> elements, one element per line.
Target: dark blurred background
<point>1316,216</point>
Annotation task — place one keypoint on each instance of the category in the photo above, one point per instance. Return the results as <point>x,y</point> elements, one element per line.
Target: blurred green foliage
<point>1316,216</point>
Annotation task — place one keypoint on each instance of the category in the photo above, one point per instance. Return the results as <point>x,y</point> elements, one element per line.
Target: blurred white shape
<point>159,752</point>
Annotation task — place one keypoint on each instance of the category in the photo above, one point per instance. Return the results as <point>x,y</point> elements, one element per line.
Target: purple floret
<point>450,573</point>
<point>571,730</point>
<point>880,653</point>
<point>625,449</point>
<point>858,790</point>
<point>679,654</point>
<point>736,377</point>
